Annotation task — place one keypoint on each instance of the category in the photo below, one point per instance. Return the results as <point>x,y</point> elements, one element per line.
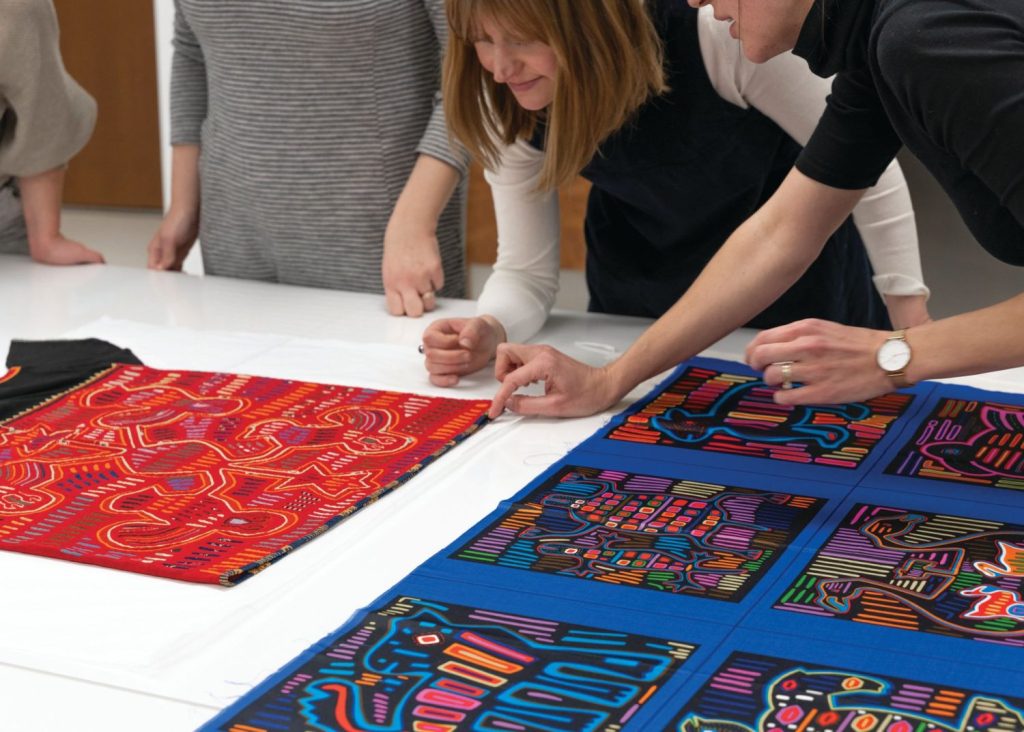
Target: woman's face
<point>526,67</point>
<point>765,27</point>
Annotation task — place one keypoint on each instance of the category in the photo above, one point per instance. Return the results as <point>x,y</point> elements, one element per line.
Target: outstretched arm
<point>521,290</point>
<point>836,363</point>
<point>411,265</point>
<point>41,197</point>
<point>48,119</point>
<point>786,91</point>
<point>759,262</point>
<point>180,226</point>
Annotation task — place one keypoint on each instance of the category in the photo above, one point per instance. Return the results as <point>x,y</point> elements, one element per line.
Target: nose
<point>505,64</point>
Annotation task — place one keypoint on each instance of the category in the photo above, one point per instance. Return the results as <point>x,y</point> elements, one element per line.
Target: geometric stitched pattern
<point>920,571</point>
<point>426,666</point>
<point>971,442</point>
<point>751,692</point>
<point>207,477</point>
<point>644,531</point>
<point>735,415</point>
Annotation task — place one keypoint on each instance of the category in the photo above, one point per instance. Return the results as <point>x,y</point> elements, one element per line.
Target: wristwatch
<point>893,357</point>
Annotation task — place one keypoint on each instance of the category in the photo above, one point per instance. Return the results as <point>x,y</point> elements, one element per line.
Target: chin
<point>532,104</point>
<point>758,54</point>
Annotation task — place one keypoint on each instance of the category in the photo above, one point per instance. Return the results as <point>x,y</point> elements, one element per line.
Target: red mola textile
<point>207,477</point>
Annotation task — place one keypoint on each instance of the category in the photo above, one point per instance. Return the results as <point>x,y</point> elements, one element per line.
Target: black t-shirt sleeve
<point>853,142</point>
<point>956,74</point>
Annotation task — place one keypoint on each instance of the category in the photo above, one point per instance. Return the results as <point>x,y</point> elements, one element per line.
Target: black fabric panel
<point>48,368</point>
<point>942,76</point>
<point>671,186</point>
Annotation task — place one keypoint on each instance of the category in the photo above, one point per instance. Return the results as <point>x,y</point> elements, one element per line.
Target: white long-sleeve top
<point>521,290</point>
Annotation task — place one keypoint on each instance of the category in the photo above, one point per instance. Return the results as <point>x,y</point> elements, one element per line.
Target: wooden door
<point>109,47</point>
<point>482,233</point>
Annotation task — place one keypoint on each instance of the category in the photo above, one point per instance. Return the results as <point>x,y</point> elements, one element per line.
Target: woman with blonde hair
<point>944,78</point>
<point>682,139</point>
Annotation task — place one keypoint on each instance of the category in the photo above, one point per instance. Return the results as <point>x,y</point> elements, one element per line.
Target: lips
<point>523,86</point>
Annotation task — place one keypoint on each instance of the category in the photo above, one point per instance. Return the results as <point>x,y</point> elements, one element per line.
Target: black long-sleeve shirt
<point>943,77</point>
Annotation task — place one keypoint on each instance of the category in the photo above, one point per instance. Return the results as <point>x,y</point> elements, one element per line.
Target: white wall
<point>961,274</point>
<point>163,15</point>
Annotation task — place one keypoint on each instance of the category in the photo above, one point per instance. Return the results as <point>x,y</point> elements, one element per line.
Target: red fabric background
<point>208,477</point>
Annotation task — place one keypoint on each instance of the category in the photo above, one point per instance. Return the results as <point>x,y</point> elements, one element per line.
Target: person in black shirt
<point>943,77</point>
<point>675,166</point>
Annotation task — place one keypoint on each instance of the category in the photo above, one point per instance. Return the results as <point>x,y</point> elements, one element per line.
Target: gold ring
<point>428,293</point>
<point>787,374</point>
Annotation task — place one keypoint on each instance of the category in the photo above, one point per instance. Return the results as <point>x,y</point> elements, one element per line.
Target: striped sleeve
<point>436,141</point>
<point>188,83</point>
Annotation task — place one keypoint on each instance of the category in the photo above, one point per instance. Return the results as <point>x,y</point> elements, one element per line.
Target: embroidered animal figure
<point>836,700</point>
<point>1009,562</point>
<point>159,518</point>
<point>675,571</point>
<point>815,424</point>
<point>994,602</point>
<point>403,672</point>
<point>996,450</point>
<point>928,571</point>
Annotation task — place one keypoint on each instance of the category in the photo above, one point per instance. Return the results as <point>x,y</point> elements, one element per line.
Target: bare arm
<point>41,197</point>
<point>411,267</point>
<point>757,263</point>
<point>521,289</point>
<point>180,227</point>
<point>789,94</point>
<point>970,343</point>
<point>836,363</point>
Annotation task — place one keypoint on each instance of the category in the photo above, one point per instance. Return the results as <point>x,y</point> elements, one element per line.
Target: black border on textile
<point>49,368</point>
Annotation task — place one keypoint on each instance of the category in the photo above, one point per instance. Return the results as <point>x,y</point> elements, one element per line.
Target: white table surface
<point>88,648</point>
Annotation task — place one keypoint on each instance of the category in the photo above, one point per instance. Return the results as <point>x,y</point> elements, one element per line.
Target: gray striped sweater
<point>310,115</point>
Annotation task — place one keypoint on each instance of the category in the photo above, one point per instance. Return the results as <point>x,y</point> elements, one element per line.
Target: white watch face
<point>894,355</point>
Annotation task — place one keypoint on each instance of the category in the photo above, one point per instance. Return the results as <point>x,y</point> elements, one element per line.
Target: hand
<point>172,241</point>
<point>832,363</point>
<point>459,346</point>
<point>61,250</point>
<point>571,388</point>
<point>411,268</point>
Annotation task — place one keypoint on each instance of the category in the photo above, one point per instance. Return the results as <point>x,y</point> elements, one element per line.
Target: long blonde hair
<point>609,64</point>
